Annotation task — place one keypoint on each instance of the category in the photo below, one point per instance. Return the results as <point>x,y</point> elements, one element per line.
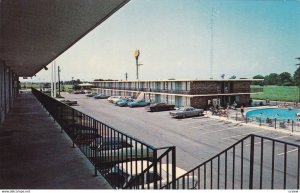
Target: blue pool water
<point>272,113</point>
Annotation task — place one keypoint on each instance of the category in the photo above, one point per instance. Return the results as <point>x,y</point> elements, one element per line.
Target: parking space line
<point>242,134</point>
<point>268,140</point>
<point>288,151</point>
<point>188,123</point>
<point>202,125</point>
<point>220,130</point>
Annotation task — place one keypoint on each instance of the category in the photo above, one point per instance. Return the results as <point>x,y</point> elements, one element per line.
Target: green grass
<point>280,93</point>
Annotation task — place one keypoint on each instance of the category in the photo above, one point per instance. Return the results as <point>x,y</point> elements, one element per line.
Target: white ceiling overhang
<point>33,33</point>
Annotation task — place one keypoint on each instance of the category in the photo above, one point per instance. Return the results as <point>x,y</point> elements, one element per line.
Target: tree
<point>233,77</point>
<point>258,77</point>
<point>272,79</point>
<point>296,77</point>
<point>261,83</point>
<point>285,79</point>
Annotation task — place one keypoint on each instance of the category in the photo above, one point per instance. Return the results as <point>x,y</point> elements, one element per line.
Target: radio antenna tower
<point>211,43</point>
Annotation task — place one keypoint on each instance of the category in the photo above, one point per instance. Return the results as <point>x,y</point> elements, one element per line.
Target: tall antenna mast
<point>211,42</point>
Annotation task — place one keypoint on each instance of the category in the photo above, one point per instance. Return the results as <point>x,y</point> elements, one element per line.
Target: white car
<point>113,98</point>
<point>131,174</point>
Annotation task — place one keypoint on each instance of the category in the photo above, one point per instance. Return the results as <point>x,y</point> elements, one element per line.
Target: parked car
<point>91,94</point>
<point>101,96</point>
<point>160,107</point>
<point>84,134</point>
<point>112,150</point>
<point>124,102</point>
<point>115,100</point>
<point>138,103</point>
<point>131,174</point>
<point>68,102</point>
<point>183,112</point>
<point>110,99</point>
<point>79,92</point>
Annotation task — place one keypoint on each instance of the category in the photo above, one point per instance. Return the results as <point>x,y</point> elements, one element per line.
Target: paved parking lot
<point>196,139</point>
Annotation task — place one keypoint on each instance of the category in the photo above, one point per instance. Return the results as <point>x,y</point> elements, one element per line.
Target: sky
<point>250,37</point>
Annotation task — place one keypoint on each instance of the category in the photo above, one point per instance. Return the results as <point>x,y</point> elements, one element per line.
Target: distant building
<point>195,93</point>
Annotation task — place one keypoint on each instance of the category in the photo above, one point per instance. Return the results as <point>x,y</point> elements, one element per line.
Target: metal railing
<point>290,125</point>
<point>254,162</point>
<point>120,158</point>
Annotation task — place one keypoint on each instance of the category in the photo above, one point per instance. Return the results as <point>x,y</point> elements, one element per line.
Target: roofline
<point>188,80</point>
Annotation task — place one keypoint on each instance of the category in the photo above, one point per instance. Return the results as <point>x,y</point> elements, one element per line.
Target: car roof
<point>140,169</point>
<point>110,140</point>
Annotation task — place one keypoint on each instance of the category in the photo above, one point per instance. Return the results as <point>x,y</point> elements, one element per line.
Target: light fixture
<point>45,68</point>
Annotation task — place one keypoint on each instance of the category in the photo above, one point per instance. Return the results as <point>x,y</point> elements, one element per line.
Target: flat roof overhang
<point>188,80</point>
<point>33,33</point>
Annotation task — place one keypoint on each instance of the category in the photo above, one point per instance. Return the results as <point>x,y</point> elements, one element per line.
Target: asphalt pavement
<point>196,139</point>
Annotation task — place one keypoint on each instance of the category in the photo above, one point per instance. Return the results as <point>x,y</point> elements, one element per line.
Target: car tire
<point>183,116</point>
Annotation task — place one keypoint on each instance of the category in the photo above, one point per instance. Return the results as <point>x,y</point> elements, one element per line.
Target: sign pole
<point>136,55</point>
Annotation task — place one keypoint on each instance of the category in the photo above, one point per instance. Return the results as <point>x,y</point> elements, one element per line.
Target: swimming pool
<point>272,113</point>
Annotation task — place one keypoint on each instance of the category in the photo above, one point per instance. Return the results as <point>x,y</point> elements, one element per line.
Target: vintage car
<point>183,112</point>
<point>68,102</point>
<point>101,96</point>
<point>131,175</point>
<point>124,102</point>
<point>138,103</point>
<point>113,98</point>
<point>112,150</point>
<point>160,107</point>
<point>91,94</point>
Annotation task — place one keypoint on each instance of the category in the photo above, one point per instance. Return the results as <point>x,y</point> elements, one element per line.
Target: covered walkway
<point>36,155</point>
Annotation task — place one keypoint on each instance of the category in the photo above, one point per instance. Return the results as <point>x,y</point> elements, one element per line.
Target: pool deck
<point>285,131</point>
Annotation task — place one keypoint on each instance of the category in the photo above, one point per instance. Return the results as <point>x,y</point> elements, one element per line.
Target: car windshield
<point>181,109</point>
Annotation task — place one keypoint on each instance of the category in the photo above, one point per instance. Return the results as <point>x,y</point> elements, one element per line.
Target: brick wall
<point>211,87</point>
<point>204,87</point>
<point>241,87</point>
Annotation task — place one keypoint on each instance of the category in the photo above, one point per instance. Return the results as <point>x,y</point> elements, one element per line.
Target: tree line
<point>282,79</point>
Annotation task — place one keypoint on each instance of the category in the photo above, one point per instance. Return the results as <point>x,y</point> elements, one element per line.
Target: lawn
<point>281,93</point>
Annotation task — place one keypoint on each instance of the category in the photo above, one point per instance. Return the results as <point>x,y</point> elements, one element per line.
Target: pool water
<point>272,113</point>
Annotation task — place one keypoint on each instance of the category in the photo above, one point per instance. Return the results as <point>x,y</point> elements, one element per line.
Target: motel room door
<point>157,98</point>
<point>178,101</point>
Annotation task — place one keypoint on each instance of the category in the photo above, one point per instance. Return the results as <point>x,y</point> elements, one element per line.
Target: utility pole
<point>54,79</point>
<point>126,76</point>
<point>52,88</point>
<point>58,80</point>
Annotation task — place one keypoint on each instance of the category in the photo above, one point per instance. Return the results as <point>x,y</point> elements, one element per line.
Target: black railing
<point>120,158</point>
<point>254,162</point>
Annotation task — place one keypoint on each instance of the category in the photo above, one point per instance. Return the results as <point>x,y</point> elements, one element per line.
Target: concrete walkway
<point>35,155</point>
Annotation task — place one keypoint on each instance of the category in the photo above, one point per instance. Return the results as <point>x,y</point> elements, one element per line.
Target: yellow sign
<point>136,53</point>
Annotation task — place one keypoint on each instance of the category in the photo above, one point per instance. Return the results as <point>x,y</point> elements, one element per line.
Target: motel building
<point>195,93</point>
